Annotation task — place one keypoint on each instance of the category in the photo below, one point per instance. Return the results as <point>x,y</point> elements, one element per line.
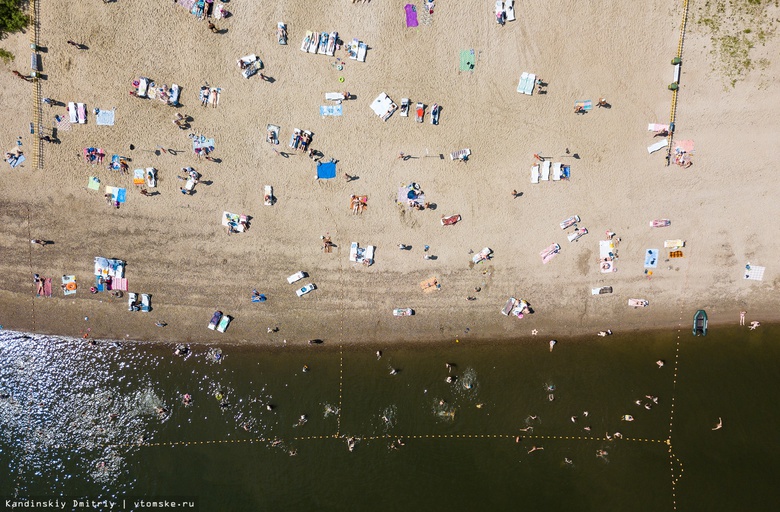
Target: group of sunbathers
<point>93,155</point>
<point>358,204</point>
<point>682,158</point>
<point>301,140</point>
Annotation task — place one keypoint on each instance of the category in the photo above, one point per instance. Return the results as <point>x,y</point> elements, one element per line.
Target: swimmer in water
<point>719,425</point>
<point>567,460</point>
<point>393,371</point>
<point>186,399</point>
<point>586,429</point>
<point>526,429</point>
<point>617,435</point>
<point>378,355</point>
<point>533,417</point>
<point>609,437</point>
<point>451,379</point>
<point>449,366</point>
<point>585,413</point>
<point>573,419</point>
<point>306,368</point>
<point>638,402</point>
<point>534,448</point>
<point>660,363</point>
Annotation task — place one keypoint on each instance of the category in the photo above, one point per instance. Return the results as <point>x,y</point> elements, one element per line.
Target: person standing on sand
<point>213,28</point>
<point>742,317</point>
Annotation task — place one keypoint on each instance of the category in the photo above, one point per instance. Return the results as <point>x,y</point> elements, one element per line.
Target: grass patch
<point>735,28</point>
<point>6,56</point>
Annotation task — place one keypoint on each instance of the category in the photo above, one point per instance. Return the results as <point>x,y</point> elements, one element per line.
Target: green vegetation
<point>12,17</point>
<point>6,56</point>
<point>736,27</point>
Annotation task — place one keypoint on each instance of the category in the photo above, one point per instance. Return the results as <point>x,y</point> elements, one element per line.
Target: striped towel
<point>119,283</point>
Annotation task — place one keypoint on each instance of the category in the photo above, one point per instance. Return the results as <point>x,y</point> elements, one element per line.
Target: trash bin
<point>673,86</point>
<point>676,60</point>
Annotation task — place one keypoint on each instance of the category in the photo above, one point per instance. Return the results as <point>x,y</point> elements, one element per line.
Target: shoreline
<point>177,251</point>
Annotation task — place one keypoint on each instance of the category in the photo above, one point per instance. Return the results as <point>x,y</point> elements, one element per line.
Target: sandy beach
<point>177,251</point>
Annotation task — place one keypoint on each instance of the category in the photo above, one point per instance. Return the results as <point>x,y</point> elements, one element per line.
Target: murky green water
<point>83,420</point>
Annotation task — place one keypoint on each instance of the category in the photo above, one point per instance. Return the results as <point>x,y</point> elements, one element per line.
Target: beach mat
<point>330,110</point>
<point>66,280</point>
<point>63,124</point>
<point>754,273</point>
<point>119,283</point>
<point>47,287</point>
<point>94,183</point>
<point>651,258</point>
<point>467,60</point>
<point>411,15</point>
<point>655,127</point>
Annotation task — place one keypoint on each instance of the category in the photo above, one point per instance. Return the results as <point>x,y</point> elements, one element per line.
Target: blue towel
<point>121,195</point>
<point>651,258</point>
<point>330,110</point>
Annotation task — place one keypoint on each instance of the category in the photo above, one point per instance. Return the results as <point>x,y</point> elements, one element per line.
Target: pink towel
<point>47,287</point>
<point>119,283</point>
<point>411,15</point>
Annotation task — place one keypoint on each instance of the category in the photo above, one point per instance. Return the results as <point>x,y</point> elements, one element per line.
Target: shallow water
<point>83,420</point>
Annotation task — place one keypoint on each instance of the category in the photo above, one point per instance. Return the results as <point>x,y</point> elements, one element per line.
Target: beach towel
<point>585,104</point>
<point>69,285</point>
<point>101,287</point>
<point>94,183</point>
<point>258,297</point>
<point>411,15</point>
<point>527,83</point>
<point>16,161</point>
<point>104,117</point>
<point>119,283</point>
<point>82,111</point>
<point>117,194</point>
<point>72,113</point>
<point>509,10</point>
<point>684,145</point>
<point>138,177</point>
<point>461,154</point>
<point>47,287</point>
<point>754,273</point>
<point>655,127</point>
<point>410,194</point>
<point>467,60</point>
<point>202,143</point>
<point>430,285</point>
<point>546,170</point>
<point>361,54</point>
<point>549,253</point>
<point>535,174</point>
<point>326,171</point>
<point>557,171</point>
<point>658,145</point>
<point>606,255</point>
<point>651,258</point>
<point>330,110</point>
<point>62,123</point>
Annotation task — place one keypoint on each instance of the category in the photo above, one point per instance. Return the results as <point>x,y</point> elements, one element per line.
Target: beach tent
<point>326,171</point>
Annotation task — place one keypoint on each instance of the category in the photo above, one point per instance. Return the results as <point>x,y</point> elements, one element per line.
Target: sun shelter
<point>326,170</point>
<point>383,106</point>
